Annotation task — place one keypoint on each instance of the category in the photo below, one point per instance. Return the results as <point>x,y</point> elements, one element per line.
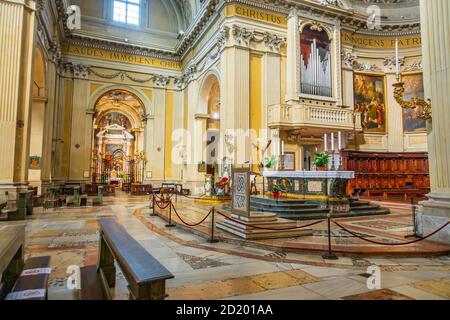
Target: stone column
<point>235,82</point>
<point>17,38</point>
<point>49,119</point>
<point>293,42</point>
<point>435,24</point>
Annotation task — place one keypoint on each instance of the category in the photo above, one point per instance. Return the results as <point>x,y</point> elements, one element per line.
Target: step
<point>293,211</point>
<point>279,201</point>
<point>282,205</point>
<point>364,208</point>
<point>360,203</point>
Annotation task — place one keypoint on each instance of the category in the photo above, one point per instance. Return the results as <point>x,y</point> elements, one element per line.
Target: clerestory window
<point>127,11</point>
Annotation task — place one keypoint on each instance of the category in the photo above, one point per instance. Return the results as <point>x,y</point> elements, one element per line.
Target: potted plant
<point>276,191</point>
<point>321,161</point>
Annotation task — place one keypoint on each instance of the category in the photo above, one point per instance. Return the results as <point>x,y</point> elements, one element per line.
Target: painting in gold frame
<point>370,101</point>
<point>413,89</point>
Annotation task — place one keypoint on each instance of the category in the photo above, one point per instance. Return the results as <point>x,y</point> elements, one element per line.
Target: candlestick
<point>339,140</point>
<point>332,141</point>
<point>397,60</point>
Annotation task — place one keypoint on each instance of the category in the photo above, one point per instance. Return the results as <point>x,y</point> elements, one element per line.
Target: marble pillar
<point>49,121</point>
<point>17,39</point>
<point>435,23</point>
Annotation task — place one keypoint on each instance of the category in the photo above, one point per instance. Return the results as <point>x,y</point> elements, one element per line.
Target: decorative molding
<point>241,35</point>
<point>415,66</point>
<point>366,66</point>
<point>390,63</point>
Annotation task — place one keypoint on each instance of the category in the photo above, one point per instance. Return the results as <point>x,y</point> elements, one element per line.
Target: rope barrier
<point>163,208</point>
<point>188,224</point>
<point>269,229</point>
<point>391,244</point>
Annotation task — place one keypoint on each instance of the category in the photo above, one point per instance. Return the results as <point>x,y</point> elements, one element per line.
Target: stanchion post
<point>153,214</point>
<point>413,213</point>
<point>170,224</point>
<point>330,255</point>
<point>212,240</point>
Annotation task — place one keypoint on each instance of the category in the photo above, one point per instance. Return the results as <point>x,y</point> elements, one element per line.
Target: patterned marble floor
<point>232,270</point>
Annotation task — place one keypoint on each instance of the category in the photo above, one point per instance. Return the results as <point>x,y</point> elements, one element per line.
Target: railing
<point>315,116</point>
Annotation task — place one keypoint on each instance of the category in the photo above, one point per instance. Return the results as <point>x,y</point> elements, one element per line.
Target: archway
<point>118,143</point>
<point>37,119</point>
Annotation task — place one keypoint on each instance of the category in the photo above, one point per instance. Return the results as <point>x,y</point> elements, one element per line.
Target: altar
<point>326,188</point>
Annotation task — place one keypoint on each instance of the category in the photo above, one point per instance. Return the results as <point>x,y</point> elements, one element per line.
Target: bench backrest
<point>136,263</point>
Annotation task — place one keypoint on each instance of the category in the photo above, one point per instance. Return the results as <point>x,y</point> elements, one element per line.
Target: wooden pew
<point>12,240</point>
<point>146,277</point>
<point>32,283</point>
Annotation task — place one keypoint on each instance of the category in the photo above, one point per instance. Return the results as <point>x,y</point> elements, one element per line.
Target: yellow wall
<point>169,129</point>
<point>255,102</point>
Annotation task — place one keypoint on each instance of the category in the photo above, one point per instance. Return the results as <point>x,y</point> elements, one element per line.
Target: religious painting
<point>370,102</point>
<point>289,161</point>
<point>112,118</point>
<point>240,202</point>
<point>413,89</point>
<point>315,61</point>
<point>35,163</point>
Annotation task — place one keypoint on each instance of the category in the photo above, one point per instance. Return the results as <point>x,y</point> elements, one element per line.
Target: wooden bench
<point>12,241</point>
<point>146,277</point>
<point>32,283</point>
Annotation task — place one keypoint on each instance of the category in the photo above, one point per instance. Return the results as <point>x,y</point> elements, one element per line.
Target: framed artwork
<point>35,163</point>
<point>240,201</point>
<point>289,161</point>
<point>315,61</point>
<point>370,100</point>
<point>202,167</point>
<point>413,89</point>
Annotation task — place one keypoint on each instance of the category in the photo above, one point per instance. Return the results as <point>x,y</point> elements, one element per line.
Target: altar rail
<point>313,116</point>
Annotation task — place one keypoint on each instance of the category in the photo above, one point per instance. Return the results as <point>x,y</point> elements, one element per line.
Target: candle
<point>397,59</point>
<point>282,148</point>
<point>325,142</point>
<point>332,141</point>
<point>339,140</point>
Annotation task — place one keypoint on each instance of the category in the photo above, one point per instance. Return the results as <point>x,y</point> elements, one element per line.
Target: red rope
<point>163,208</point>
<point>390,244</point>
<point>188,224</point>
<point>270,229</point>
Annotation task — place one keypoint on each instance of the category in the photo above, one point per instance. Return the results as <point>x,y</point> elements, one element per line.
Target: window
<point>127,11</point>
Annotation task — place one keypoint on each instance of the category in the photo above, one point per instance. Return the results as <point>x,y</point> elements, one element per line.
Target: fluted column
<point>292,80</point>
<point>17,35</point>
<point>49,120</point>
<point>435,26</point>
<point>236,84</point>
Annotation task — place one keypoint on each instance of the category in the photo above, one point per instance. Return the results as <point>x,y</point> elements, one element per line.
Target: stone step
<point>279,201</point>
<point>255,234</point>
<point>290,211</point>
<point>299,206</point>
<point>364,208</point>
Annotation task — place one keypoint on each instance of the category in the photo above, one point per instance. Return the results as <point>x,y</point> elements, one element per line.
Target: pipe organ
<point>316,72</point>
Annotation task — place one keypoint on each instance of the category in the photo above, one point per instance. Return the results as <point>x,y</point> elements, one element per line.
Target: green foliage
<point>321,160</point>
<point>270,162</point>
<point>276,188</point>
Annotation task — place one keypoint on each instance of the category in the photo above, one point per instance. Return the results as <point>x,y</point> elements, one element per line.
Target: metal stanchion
<point>413,212</point>
<point>170,224</point>
<point>212,240</point>
<point>153,214</point>
<point>330,255</point>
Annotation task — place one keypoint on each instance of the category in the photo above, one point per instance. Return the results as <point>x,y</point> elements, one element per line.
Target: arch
<point>325,28</point>
<point>209,80</point>
<point>100,92</point>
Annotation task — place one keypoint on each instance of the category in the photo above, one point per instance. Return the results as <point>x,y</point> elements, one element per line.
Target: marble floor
<point>234,269</point>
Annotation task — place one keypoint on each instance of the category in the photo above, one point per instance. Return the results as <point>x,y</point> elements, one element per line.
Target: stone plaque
<point>240,203</point>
